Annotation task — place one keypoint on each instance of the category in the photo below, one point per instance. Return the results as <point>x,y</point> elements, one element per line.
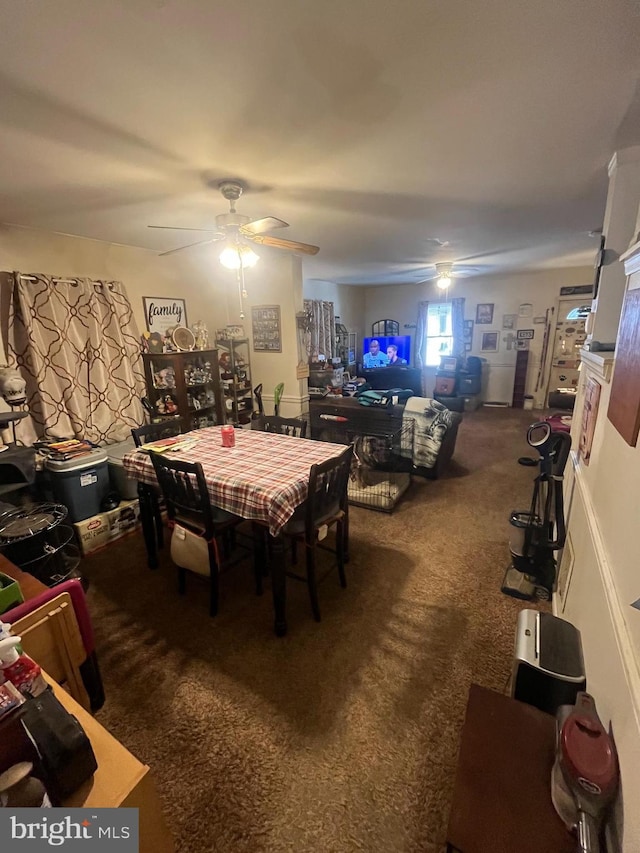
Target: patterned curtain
<point>421,333</point>
<point>323,328</point>
<point>457,324</point>
<point>77,347</point>
<point>116,374</point>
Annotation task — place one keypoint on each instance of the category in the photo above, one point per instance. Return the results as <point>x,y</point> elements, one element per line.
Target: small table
<point>502,795</point>
<point>263,478</point>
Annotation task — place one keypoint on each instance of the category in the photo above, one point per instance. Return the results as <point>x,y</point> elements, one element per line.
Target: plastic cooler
<point>80,484</point>
<point>125,486</point>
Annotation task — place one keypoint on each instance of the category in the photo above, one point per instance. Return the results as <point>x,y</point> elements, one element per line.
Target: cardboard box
<point>106,527</point>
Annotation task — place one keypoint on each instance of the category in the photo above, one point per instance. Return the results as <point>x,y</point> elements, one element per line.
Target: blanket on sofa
<point>431,420</point>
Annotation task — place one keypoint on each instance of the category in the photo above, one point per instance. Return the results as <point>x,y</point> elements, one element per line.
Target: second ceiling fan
<point>445,273</point>
<point>235,228</point>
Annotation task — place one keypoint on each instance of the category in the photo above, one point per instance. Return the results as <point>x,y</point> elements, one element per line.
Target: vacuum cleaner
<point>585,775</point>
<point>539,531</point>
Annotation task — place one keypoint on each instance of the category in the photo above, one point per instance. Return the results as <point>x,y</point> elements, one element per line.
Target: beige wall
<point>506,292</point>
<point>348,302</point>
<point>143,272</point>
<point>601,564</point>
<point>210,290</point>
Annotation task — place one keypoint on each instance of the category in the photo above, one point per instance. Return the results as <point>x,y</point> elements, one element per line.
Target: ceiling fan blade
<point>258,226</point>
<point>277,243</point>
<point>178,228</point>
<point>181,248</point>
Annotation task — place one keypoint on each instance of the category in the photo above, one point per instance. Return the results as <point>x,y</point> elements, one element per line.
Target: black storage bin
<point>474,364</point>
<point>469,383</point>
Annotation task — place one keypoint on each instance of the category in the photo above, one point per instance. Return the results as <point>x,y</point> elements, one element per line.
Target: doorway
<point>564,351</point>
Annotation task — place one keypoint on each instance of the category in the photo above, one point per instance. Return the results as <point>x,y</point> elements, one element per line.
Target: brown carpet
<point>342,736</point>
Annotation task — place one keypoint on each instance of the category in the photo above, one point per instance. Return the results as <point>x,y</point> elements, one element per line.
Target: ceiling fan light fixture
<point>236,257</point>
<point>443,280</point>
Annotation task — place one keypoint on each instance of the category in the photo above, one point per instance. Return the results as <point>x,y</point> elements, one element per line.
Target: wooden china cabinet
<point>184,386</point>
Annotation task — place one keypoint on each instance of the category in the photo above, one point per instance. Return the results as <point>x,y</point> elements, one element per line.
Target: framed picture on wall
<point>162,314</point>
<point>484,313</point>
<point>468,335</point>
<point>509,321</point>
<point>589,417</point>
<point>490,341</point>
<point>267,335</point>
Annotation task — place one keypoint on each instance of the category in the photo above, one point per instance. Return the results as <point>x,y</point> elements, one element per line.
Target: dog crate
<point>382,462</point>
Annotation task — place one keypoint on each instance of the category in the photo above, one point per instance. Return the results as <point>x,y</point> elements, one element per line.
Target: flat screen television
<point>386,351</point>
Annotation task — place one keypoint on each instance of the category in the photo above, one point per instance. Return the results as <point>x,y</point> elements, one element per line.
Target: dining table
<point>263,477</point>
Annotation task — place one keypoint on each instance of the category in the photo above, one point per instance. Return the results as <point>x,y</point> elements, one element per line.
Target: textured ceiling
<point>379,130</point>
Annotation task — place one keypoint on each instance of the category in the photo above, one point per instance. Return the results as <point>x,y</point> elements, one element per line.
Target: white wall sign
<point>161,314</point>
<point>526,334</point>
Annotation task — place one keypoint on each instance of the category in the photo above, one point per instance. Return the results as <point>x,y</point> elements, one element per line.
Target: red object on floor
<point>559,422</point>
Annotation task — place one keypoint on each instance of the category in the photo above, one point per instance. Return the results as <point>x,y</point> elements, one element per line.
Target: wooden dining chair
<point>257,392</point>
<point>198,527</point>
<point>154,432</point>
<point>281,426</point>
<point>142,435</point>
<point>326,505</point>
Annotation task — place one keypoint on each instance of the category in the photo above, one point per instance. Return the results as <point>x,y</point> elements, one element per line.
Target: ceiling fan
<point>444,273</point>
<point>235,228</point>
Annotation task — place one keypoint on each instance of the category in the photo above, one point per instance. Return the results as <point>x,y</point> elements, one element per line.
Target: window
<point>580,313</point>
<point>439,333</point>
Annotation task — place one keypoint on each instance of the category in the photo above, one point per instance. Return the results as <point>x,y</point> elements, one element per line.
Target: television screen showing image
<point>386,351</point>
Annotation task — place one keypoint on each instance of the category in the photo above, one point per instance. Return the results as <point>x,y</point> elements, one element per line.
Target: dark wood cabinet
<point>520,379</point>
<point>184,386</point>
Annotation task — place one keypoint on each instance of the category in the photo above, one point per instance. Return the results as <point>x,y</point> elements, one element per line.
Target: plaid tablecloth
<point>264,477</point>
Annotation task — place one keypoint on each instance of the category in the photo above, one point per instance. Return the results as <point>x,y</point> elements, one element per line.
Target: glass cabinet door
<point>200,383</point>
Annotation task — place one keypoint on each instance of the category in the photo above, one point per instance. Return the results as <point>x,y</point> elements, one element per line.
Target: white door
<point>568,339</point>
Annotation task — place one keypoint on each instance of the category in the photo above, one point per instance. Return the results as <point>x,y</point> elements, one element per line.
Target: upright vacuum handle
<point>588,832</point>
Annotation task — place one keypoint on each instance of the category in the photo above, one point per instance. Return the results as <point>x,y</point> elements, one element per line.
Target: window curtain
<point>457,325</point>
<point>421,333</point>
<point>77,347</point>
<point>323,328</point>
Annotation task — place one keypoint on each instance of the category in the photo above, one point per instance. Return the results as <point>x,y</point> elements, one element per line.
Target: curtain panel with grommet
<point>323,328</point>
<point>457,326</point>
<point>421,334</point>
<point>76,344</point>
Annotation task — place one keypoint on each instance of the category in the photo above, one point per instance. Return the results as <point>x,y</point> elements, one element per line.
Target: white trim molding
<point>597,364</point>
<point>628,655</point>
<point>631,257</point>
